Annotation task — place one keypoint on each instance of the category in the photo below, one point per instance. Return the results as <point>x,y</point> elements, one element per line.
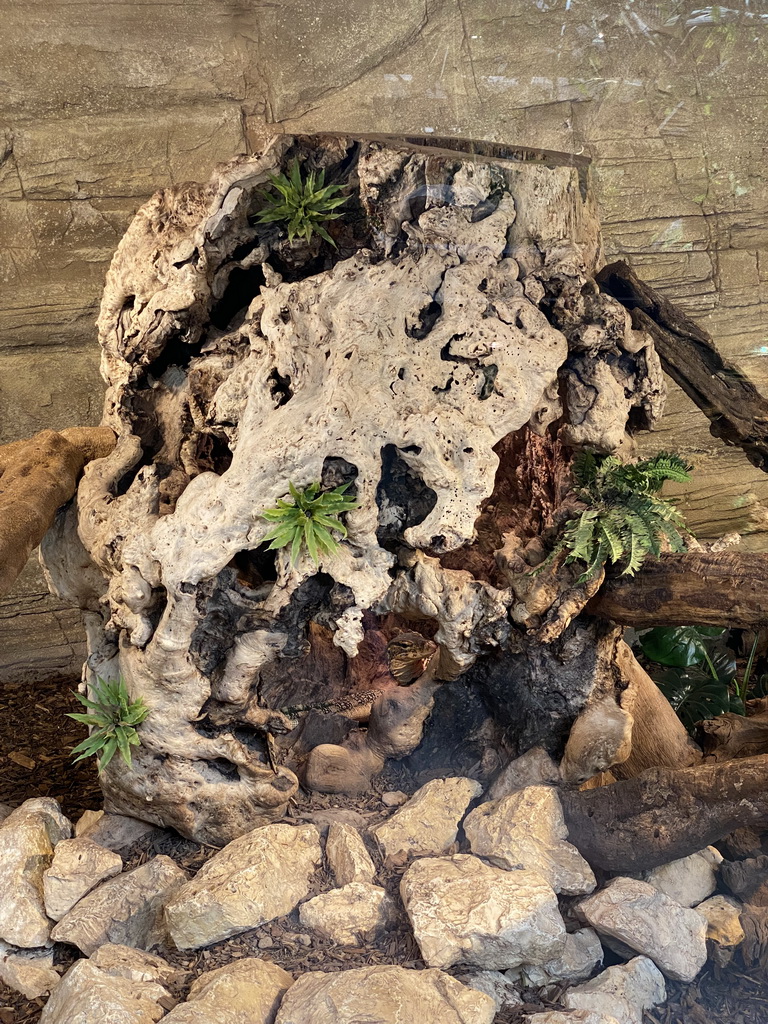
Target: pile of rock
<point>495,892</point>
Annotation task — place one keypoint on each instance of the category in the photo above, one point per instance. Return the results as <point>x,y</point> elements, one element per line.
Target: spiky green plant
<point>309,520</point>
<point>303,204</point>
<point>113,717</point>
<point>624,520</point>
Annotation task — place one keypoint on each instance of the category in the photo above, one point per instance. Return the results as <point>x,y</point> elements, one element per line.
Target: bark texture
<point>455,323</point>
<point>37,477</point>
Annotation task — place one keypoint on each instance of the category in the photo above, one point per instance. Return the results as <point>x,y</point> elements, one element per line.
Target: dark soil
<point>33,728</point>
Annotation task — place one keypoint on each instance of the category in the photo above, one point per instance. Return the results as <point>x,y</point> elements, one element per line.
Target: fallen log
<point>37,476</point>
<point>722,588</point>
<point>729,736</point>
<point>665,814</point>
<point>738,413</point>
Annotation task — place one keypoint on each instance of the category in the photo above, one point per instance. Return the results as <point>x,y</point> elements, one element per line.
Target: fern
<point>625,519</point>
<point>309,521</point>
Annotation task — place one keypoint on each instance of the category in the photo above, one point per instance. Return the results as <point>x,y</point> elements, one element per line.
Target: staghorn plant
<point>309,520</point>
<point>624,520</point>
<point>113,717</point>
<point>303,204</point>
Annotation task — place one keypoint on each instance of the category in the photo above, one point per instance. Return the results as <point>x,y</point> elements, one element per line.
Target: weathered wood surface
<point>718,588</point>
<point>738,413</point>
<point>665,814</point>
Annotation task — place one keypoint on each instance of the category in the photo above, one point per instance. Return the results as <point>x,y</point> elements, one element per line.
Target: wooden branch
<point>729,736</point>
<point>738,413</point>
<point>37,476</point>
<point>665,814</point>
<point>706,588</point>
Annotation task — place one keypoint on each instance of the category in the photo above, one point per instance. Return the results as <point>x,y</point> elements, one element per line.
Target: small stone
<point>265,942</point>
<point>383,993</point>
<point>624,992</point>
<point>77,866</point>
<point>689,880</point>
<point>28,971</point>
<point>494,984</point>
<point>27,839</point>
<point>117,832</point>
<point>349,916</point>
<point>254,879</point>
<point>429,823</point>
<point>527,830</point>
<point>323,820</point>
<point>650,923</point>
<point>582,954</point>
<point>245,991</point>
<point>347,856</point>
<point>723,917</point>
<point>394,798</point>
<point>533,768</point>
<point>127,910</point>
<point>465,911</point>
<point>304,940</point>
<point>88,995</point>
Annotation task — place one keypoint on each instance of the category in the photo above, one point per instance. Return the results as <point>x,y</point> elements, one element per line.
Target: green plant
<point>303,204</point>
<point>309,520</point>
<point>624,519</point>
<point>113,717</point>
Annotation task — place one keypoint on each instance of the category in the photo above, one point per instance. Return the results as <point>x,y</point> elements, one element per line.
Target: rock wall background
<point>103,103</point>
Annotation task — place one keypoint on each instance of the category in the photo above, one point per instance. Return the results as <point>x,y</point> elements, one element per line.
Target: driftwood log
<point>37,477</point>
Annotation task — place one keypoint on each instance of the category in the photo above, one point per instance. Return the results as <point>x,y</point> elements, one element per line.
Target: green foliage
<point>678,646</point>
<point>624,519</point>
<point>303,204</point>
<point>113,717</point>
<point>309,520</point>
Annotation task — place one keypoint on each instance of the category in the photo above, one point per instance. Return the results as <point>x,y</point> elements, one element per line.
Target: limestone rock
<point>117,832</point>
<point>118,961</point>
<point>394,798</point>
<point>572,1017</point>
<point>527,830</point>
<point>583,952</point>
<point>244,992</point>
<point>689,880</point>
<point>386,994</point>
<point>254,879</point>
<point>429,823</point>
<point>322,820</point>
<point>534,767</point>
<point>127,909</point>
<point>28,971</point>
<point>497,986</point>
<point>724,931</point>
<point>465,911</point>
<point>77,866</point>
<point>623,992</point>
<point>355,913</point>
<point>650,923</point>
<point>88,995</point>
<point>27,838</point>
<point>347,856</point>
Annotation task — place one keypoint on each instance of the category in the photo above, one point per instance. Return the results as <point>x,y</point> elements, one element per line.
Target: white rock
<point>254,879</point>
<point>117,832</point>
<point>527,830</point>
<point>126,910</point>
<point>29,971</point>
<point>77,866</point>
<point>689,880</point>
<point>244,992</point>
<point>118,961</point>
<point>347,856</point>
<point>465,911</point>
<point>650,923</point>
<point>723,917</point>
<point>348,916</point>
<point>582,954</point>
<point>394,798</point>
<point>572,1017</point>
<point>389,995</point>
<point>429,823</point>
<point>88,995</point>
<point>533,768</point>
<point>27,838</point>
<point>624,992</point>
<point>497,986</point>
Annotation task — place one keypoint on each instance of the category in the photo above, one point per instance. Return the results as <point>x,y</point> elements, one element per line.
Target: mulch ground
<point>35,760</point>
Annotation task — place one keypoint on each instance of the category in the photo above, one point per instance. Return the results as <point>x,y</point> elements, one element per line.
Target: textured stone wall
<point>103,103</point>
